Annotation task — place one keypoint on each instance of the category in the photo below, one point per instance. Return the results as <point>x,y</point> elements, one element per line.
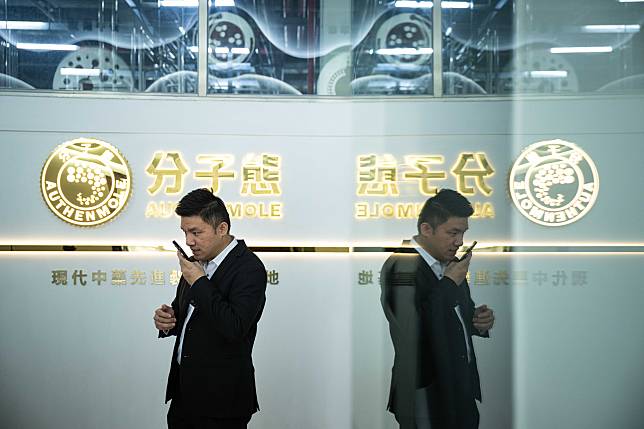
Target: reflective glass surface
<point>324,47</point>
<point>320,47</point>
<point>126,46</point>
<point>543,47</point>
<point>393,50</point>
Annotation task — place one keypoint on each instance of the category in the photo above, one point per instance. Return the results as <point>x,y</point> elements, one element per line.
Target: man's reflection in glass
<point>426,299</point>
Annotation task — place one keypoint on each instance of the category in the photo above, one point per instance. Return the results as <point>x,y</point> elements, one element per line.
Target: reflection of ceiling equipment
<point>405,38</point>
<point>629,83</point>
<point>537,70</point>
<point>7,81</point>
<point>74,21</point>
<point>178,82</point>
<point>335,74</point>
<point>457,84</point>
<point>230,39</point>
<point>91,68</point>
<point>484,27</point>
<point>387,85</point>
<point>453,83</point>
<point>186,82</point>
<point>251,84</point>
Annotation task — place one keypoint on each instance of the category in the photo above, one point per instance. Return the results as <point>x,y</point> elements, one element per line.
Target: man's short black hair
<point>203,203</point>
<point>445,204</point>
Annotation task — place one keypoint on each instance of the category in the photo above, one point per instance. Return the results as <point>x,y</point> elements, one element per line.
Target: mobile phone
<point>180,249</point>
<point>468,250</point>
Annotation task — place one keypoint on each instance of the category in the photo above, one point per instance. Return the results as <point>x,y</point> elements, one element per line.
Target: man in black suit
<point>432,318</point>
<point>214,316</point>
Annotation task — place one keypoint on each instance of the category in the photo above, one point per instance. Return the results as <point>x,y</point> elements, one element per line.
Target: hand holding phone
<point>468,250</point>
<point>180,249</point>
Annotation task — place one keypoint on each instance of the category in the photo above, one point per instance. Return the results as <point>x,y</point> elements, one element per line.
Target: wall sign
<point>86,182</point>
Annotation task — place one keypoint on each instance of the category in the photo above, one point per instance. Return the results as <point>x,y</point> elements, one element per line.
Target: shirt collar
<point>212,265</point>
<point>433,263</point>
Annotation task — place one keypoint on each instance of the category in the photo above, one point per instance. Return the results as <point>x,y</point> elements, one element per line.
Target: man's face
<point>444,241</point>
<point>205,241</point>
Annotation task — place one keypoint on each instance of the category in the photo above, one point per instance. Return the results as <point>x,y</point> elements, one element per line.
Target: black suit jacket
<point>217,377</point>
<point>428,339</point>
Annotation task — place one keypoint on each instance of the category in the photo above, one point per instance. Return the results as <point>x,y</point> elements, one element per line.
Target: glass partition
<point>394,50</point>
<point>478,42</point>
<point>320,48</point>
<point>124,46</point>
<point>324,47</point>
<point>589,46</point>
<point>542,47</point>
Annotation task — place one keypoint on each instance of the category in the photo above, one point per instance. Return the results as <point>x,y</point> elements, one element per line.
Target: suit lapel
<point>183,303</point>
<point>228,262</point>
<point>427,276</point>
<point>426,270</point>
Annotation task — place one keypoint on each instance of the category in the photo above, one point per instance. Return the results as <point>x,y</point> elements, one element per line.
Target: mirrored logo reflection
<point>554,183</point>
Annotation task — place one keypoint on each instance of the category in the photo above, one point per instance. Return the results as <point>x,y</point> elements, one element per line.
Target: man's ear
<point>223,228</point>
<point>426,229</point>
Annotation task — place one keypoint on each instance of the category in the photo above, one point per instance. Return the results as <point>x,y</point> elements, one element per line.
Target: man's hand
<point>483,318</point>
<point>191,270</point>
<point>164,319</point>
<point>457,270</point>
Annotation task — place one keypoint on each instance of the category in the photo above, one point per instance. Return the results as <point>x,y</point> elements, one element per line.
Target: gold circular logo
<point>86,182</point>
<point>554,183</point>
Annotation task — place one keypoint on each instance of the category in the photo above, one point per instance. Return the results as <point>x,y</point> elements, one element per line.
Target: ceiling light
<point>178,3</point>
<point>621,28</point>
<point>581,49</point>
<point>404,51</point>
<point>72,71</point>
<point>415,4</point>
<point>430,4</point>
<point>195,49</point>
<point>23,25</point>
<point>547,73</point>
<point>46,47</point>
<point>456,5</point>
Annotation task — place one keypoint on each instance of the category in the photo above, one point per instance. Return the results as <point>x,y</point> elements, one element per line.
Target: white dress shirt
<point>209,267</point>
